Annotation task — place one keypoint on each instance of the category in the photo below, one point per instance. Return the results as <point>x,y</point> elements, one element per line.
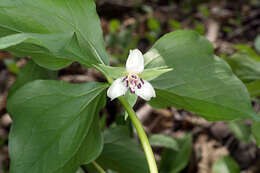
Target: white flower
<point>132,81</point>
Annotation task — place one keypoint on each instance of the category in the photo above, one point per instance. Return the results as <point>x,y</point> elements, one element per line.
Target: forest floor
<point>128,24</point>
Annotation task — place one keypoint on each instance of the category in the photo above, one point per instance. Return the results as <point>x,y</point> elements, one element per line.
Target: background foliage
<point>200,82</point>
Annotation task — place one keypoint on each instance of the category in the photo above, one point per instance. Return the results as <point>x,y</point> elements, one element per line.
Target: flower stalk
<point>98,167</point>
<point>142,135</point>
<point>140,87</point>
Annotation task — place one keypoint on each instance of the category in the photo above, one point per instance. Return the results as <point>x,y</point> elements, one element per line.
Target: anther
<point>142,80</point>
<point>124,78</point>
<point>139,86</point>
<point>132,91</point>
<point>134,76</point>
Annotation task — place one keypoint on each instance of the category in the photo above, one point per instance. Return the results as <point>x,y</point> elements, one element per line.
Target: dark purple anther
<point>134,76</point>
<point>127,83</point>
<point>125,78</point>
<point>139,86</point>
<point>142,80</point>
<point>132,91</point>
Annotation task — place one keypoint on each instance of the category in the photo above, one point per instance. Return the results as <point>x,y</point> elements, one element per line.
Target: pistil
<point>133,82</point>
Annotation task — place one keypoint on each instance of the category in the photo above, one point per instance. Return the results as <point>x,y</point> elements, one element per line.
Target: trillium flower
<point>132,81</point>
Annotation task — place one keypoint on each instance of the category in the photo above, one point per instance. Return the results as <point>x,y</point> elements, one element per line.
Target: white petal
<point>117,89</point>
<point>146,91</point>
<point>135,61</point>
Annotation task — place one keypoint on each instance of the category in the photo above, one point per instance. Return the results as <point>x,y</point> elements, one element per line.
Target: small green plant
<point>121,39</point>
<point>56,125</point>
<point>226,164</point>
<point>155,29</point>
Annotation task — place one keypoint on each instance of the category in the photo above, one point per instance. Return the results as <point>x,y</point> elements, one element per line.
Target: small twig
<point>213,29</point>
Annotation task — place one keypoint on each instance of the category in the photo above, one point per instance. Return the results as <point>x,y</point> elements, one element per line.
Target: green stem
<point>98,167</point>
<point>142,135</point>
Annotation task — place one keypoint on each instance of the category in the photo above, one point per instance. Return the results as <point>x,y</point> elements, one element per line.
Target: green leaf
<point>257,43</point>
<point>248,70</point>
<point>255,131</point>
<point>174,161</point>
<point>147,74</point>
<point>153,24</point>
<point>153,73</point>
<point>245,67</point>
<point>226,165</point>
<point>121,153</point>
<point>63,47</point>
<point>200,82</point>
<point>33,28</point>
<point>254,88</point>
<point>31,72</point>
<point>241,130</point>
<point>164,141</point>
<point>55,126</point>
<point>114,24</point>
<point>11,65</point>
<point>113,72</point>
<point>244,48</point>
<point>175,24</point>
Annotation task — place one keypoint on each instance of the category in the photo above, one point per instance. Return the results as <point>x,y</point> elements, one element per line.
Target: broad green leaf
<point>164,141</point>
<point>58,45</point>
<point>31,72</point>
<point>257,43</point>
<point>200,82</point>
<point>241,130</point>
<point>174,161</point>
<point>255,131</point>
<point>248,70</point>
<point>254,88</point>
<point>153,73</point>
<point>113,72</point>
<point>55,126</point>
<point>226,165</point>
<point>121,153</point>
<point>24,21</point>
<point>245,67</point>
<point>147,74</point>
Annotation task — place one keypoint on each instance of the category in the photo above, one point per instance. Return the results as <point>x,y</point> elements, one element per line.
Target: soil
<point>224,23</point>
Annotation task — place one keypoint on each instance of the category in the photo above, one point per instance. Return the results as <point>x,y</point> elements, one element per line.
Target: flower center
<point>133,82</point>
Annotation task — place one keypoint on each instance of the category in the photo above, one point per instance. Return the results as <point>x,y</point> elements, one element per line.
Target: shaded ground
<point>127,25</point>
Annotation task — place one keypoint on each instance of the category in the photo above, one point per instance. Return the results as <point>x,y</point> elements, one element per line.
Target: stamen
<point>124,78</point>
<point>142,80</point>
<point>127,83</point>
<point>139,86</point>
<point>132,91</point>
<point>134,76</point>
